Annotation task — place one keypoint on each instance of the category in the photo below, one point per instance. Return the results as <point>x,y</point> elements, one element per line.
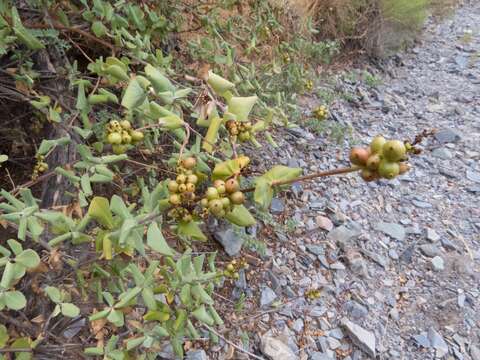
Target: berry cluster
<point>309,85</point>
<point>40,167</point>
<point>313,294</point>
<point>120,134</point>
<point>321,112</point>
<point>182,190</point>
<point>240,130</point>
<point>233,267</point>
<point>220,197</point>
<point>382,159</point>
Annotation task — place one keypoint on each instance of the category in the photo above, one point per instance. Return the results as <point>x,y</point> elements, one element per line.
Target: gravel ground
<point>398,261</point>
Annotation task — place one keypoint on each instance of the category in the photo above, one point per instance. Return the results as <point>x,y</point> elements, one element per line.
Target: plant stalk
<point>311,176</point>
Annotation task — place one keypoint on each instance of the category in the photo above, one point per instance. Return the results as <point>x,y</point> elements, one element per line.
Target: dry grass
<point>373,26</point>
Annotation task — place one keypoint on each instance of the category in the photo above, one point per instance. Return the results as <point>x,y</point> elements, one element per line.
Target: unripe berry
<point>237,198</point>
<point>172,186</point>
<point>174,199</point>
<point>192,179</point>
<point>232,185</point>
<point>189,163</point>
<point>190,187</point>
<point>212,193</point>
<point>215,206</point>
<point>136,135</point>
<point>377,143</point>
<point>182,188</point>
<point>125,124</point>
<point>373,161</point>
<point>181,179</point>
<point>114,138</point>
<point>388,170</point>
<point>394,150</point>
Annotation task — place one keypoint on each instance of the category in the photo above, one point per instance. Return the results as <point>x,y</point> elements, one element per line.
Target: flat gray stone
<point>267,296</point>
<point>442,153</point>
<point>432,235</point>
<point>438,264</point>
<point>320,356</point>
<point>231,242</point>
<point>430,250</point>
<point>277,206</point>
<point>438,343</point>
<point>343,234</point>
<point>473,176</point>
<point>275,349</point>
<point>447,136</point>
<point>422,340</point>
<point>393,230</point>
<point>196,355</point>
<point>361,337</point>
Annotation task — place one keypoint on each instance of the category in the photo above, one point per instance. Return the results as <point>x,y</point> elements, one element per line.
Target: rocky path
<point>398,261</point>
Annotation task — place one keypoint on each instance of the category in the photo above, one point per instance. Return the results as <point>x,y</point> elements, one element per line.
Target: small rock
<point>320,356</point>
<point>277,206</point>
<point>430,250</point>
<point>474,352</point>
<point>361,337</point>
<point>318,311</point>
<point>356,310</point>
<point>473,176</point>
<point>442,153</point>
<point>447,136</point>
<point>267,297</point>
<point>393,254</point>
<point>343,234</point>
<point>316,249</point>
<point>297,325</point>
<point>438,264</point>
<point>230,240</point>
<point>337,333</point>
<point>196,355</point>
<point>438,343</point>
<point>421,204</point>
<point>422,340</point>
<point>333,343</point>
<point>324,223</point>
<point>432,235</point>
<point>275,349</point>
<point>393,230</point>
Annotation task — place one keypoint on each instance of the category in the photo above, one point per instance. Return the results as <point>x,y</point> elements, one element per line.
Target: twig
<point>81,32</point>
<point>7,350</point>
<point>312,176</point>
<point>185,141</point>
<point>232,343</point>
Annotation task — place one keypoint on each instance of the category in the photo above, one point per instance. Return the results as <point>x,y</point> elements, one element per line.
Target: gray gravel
<point>398,261</point>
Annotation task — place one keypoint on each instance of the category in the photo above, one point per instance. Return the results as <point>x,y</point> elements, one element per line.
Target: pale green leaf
<point>156,241</point>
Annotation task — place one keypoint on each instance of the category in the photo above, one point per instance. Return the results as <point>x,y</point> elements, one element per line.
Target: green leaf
<point>200,294</point>
<point>134,95</point>
<point>127,296</point>
<point>54,294</point>
<point>227,169</point>
<point>126,229</point>
<point>69,310</point>
<point>99,29</point>
<point>156,315</point>
<point>263,194</point>
<point>171,122</point>
<point>118,72</point>
<point>133,343</point>
<point>23,34</point>
<point>116,318</point>
<point>241,106</point>
<point>23,343</point>
<point>240,216</point>
<point>3,336</point>
<point>263,185</point>
<point>282,173</point>
<point>82,103</point>
<point>185,295</point>
<point>212,134</point>
<point>203,316</point>
<point>219,84</point>
<point>99,210</point>
<point>119,208</point>
<point>14,300</point>
<point>216,317</point>
<point>15,246</point>
<point>149,298</point>
<point>28,258</point>
<point>8,275</point>
<point>3,158</point>
<point>191,230</point>
<point>93,351</point>
<point>156,241</point>
<point>99,315</point>
<point>159,81</point>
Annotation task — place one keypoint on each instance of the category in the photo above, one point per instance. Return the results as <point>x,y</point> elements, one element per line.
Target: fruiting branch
<point>312,176</point>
